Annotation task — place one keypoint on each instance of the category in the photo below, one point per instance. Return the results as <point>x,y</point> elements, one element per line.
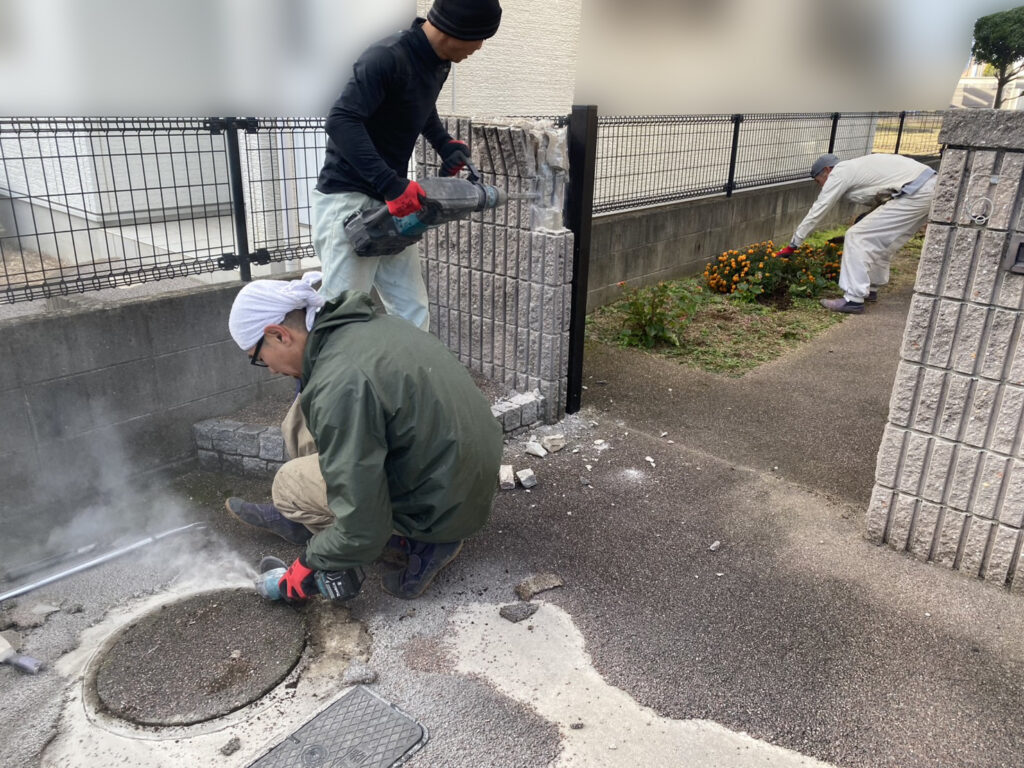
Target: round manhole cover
<point>199,658</point>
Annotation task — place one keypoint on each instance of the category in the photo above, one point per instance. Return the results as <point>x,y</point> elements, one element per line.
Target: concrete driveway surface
<point>719,605</point>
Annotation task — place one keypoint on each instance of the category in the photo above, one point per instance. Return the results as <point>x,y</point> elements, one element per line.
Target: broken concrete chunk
<point>506,477</point>
<point>527,478</point>
<point>233,745</point>
<point>44,609</point>
<point>359,673</point>
<point>535,449</point>
<point>553,443</point>
<point>516,612</point>
<point>23,618</point>
<point>13,639</point>
<point>536,584</point>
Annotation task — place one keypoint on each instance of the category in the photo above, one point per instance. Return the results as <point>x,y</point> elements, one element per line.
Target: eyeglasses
<point>255,359</point>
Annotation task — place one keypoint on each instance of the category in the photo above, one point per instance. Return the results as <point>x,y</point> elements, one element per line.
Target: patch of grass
<point>728,336</point>
<point>725,335</point>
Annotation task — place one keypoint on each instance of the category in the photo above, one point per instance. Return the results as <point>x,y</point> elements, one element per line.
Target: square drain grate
<point>359,730</point>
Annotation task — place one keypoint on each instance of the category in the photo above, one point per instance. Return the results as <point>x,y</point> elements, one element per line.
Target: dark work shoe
<point>267,517</point>
<point>396,552</point>
<point>425,561</point>
<point>844,306</point>
<point>872,296</point>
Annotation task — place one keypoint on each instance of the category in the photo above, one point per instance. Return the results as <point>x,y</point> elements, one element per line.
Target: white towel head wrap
<point>266,302</point>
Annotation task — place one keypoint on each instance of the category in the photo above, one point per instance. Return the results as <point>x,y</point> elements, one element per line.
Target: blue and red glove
<point>454,155</point>
<point>409,202</point>
<point>298,582</point>
<point>788,250</point>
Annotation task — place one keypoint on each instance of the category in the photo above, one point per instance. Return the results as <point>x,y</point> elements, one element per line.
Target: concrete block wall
<point>91,399</point>
<point>950,472</point>
<point>500,283</point>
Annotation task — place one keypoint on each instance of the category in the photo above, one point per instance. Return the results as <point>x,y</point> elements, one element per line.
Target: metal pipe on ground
<point>98,561</point>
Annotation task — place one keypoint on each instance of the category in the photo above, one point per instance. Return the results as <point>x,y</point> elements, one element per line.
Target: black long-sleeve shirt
<point>373,126</point>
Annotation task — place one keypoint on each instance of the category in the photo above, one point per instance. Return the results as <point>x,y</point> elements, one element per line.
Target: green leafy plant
<point>655,314</point>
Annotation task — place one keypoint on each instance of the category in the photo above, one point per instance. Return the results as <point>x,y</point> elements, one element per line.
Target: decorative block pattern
<point>500,284</point>
<point>223,445</point>
<point>950,472</point>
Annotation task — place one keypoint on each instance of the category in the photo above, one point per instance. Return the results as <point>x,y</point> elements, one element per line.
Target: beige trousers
<point>299,491</point>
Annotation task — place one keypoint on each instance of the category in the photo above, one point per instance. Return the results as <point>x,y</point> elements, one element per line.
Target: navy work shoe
<point>267,517</point>
<point>844,306</point>
<point>872,296</point>
<point>396,551</point>
<point>425,561</point>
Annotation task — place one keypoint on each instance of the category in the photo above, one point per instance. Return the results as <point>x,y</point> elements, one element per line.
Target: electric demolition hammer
<point>375,232</point>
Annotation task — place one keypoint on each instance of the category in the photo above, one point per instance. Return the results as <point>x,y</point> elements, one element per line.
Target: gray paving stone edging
<point>225,445</point>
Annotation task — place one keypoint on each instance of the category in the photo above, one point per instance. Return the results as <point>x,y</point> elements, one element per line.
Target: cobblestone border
<point>224,445</point>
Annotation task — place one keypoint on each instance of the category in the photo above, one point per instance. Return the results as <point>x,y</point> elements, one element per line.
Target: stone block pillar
<point>500,283</point>
<point>950,473</point>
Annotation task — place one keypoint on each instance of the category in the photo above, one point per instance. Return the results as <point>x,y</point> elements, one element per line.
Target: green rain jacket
<point>407,442</point>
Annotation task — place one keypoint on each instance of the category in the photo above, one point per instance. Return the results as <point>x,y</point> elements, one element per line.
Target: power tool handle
<point>377,215</point>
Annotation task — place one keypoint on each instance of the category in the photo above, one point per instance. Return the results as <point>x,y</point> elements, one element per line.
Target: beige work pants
<point>299,491</point>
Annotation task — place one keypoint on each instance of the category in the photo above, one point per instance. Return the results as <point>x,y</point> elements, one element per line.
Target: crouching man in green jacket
<point>404,452</point>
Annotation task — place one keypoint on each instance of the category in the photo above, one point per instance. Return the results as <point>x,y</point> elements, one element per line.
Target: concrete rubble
<point>542,582</point>
<point>527,478</point>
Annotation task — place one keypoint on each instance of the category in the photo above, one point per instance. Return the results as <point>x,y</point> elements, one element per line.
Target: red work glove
<point>407,203</point>
<point>298,582</point>
<point>454,155</point>
<point>786,251</point>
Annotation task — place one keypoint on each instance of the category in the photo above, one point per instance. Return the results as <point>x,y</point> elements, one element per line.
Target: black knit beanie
<point>466,19</point>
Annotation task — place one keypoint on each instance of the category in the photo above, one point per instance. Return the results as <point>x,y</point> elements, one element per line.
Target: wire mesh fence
<point>92,203</point>
<point>658,159</point>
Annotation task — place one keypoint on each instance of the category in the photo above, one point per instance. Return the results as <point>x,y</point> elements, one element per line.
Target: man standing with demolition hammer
<point>902,190</point>
<point>402,452</point>
<point>372,130</point>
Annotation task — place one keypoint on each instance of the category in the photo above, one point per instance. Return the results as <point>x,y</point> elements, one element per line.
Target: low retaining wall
<point>950,474</point>
<point>90,399</point>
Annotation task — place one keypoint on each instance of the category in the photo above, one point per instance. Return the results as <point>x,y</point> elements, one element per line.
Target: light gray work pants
<point>870,244</point>
<point>397,278</point>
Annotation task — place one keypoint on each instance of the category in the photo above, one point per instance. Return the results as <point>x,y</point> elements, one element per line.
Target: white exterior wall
<point>527,68</point>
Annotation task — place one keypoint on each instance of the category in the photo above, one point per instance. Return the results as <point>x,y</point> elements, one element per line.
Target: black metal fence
<point>658,159</point>
<point>98,203</point>
<point>91,203</point>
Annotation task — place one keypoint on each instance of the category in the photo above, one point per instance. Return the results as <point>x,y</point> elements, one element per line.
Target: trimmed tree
<point>999,41</point>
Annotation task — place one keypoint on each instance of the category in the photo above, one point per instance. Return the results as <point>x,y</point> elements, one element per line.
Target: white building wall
<point>527,68</point>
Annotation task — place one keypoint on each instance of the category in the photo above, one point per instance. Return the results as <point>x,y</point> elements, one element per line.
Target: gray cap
<point>825,161</point>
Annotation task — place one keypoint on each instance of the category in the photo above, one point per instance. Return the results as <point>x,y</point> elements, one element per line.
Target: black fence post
<point>899,132</point>
<point>832,136</point>
<point>579,214</point>
<point>730,185</point>
<point>238,197</point>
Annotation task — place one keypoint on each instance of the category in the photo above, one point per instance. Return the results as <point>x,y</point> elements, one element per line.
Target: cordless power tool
<point>375,232</point>
<point>336,586</point>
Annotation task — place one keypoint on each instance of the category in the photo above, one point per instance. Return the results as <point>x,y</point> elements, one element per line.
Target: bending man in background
<point>901,187</point>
